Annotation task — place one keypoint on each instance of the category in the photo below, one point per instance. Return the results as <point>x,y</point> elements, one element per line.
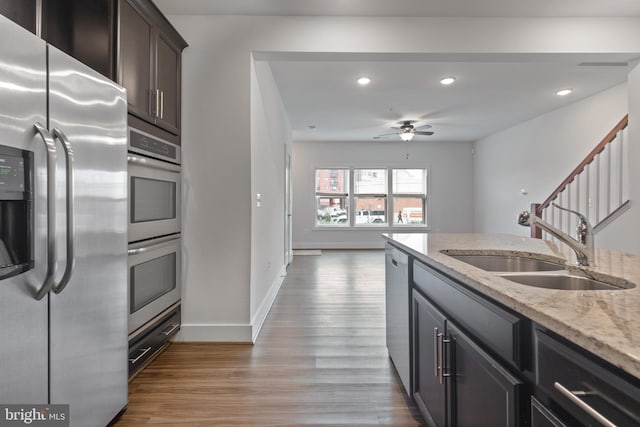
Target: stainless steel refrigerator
<point>63,232</point>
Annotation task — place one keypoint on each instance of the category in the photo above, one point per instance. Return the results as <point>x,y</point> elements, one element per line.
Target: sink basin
<point>566,282</point>
<point>509,263</point>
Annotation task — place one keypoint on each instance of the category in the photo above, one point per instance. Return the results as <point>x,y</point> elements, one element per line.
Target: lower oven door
<point>154,278</point>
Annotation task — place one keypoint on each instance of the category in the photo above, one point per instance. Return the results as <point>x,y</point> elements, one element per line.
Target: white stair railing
<point>597,188</point>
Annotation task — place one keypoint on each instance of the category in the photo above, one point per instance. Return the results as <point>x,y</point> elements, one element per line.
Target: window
<point>409,193</point>
<point>381,197</point>
<point>370,196</point>
<point>332,197</point>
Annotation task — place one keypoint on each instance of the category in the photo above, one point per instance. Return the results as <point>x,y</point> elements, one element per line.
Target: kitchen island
<point>601,326</point>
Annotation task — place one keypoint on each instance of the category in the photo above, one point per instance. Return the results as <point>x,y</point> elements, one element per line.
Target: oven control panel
<point>143,143</point>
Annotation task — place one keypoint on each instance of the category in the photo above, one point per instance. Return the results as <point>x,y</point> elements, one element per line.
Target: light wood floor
<point>320,360</point>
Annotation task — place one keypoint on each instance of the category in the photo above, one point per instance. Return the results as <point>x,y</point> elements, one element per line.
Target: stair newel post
<point>536,232</point>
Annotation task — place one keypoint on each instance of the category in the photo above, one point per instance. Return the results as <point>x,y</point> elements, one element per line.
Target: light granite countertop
<point>604,322</point>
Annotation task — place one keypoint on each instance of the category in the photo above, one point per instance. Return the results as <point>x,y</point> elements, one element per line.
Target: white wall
<point>217,109</point>
<point>537,155</point>
<point>270,138</point>
<point>450,190</point>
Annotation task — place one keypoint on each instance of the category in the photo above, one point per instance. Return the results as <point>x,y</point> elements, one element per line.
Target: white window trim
<point>389,226</point>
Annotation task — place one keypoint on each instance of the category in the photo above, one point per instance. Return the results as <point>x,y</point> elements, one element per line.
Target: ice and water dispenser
<point>16,211</point>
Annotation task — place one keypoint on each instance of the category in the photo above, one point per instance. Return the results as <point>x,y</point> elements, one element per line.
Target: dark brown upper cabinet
<point>84,30</point>
<point>149,67</point>
<point>22,12</point>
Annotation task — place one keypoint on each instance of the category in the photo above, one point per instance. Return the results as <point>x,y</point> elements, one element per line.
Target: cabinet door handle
<point>171,329</point>
<point>162,104</point>
<point>572,396</point>
<point>144,351</point>
<point>442,340</point>
<point>157,103</point>
<point>436,354</point>
<point>440,358</point>
<point>395,264</point>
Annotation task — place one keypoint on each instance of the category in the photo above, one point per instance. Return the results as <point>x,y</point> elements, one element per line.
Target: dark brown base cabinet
<point>476,363</point>
<point>542,416</point>
<point>581,389</point>
<point>429,390</point>
<point>456,383</point>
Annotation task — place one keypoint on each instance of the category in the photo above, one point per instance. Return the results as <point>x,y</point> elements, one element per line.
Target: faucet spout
<point>583,246</point>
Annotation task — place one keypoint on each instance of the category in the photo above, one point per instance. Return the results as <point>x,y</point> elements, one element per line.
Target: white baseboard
<point>339,245</point>
<point>214,333</point>
<point>260,315</point>
<point>241,333</point>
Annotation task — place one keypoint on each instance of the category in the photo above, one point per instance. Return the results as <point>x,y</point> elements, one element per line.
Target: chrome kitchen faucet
<point>582,246</point>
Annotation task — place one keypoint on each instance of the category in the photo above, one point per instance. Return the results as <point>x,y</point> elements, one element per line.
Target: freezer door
<point>23,335</point>
<point>88,317</point>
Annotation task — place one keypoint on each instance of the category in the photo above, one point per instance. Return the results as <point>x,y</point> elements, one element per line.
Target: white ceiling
<point>491,93</point>
<point>486,97</point>
<point>431,8</point>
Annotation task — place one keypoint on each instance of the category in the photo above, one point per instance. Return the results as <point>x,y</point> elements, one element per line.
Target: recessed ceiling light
<point>564,92</point>
<point>363,81</point>
<point>447,80</point>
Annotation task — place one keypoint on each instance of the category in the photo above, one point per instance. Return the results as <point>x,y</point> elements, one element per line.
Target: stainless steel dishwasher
<point>397,311</point>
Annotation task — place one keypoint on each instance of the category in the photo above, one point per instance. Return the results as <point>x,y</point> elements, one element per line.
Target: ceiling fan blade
<point>389,134</point>
<point>424,127</point>
<point>423,133</point>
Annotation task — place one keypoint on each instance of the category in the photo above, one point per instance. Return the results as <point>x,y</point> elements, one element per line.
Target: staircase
<point>598,188</point>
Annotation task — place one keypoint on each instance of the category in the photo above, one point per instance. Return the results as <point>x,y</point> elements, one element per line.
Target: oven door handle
<point>152,247</point>
<point>151,163</point>
<point>50,146</point>
<point>71,258</point>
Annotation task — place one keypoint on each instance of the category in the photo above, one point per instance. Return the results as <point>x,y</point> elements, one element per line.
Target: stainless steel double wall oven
<point>154,227</point>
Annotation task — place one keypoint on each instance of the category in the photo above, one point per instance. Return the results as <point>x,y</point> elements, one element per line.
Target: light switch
<point>258,200</point>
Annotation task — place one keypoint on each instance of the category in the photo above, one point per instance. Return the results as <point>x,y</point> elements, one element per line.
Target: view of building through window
<point>332,196</point>
<point>380,197</point>
<point>409,196</point>
<point>370,196</point>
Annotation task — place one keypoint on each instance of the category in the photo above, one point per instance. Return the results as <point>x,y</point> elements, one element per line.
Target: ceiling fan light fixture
<point>406,136</point>
<point>447,80</point>
<point>364,80</point>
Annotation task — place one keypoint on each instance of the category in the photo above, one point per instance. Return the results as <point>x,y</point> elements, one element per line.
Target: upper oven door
<point>154,198</point>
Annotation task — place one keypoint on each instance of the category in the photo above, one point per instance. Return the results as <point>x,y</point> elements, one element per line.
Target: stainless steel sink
<point>508,263</point>
<point>566,282</point>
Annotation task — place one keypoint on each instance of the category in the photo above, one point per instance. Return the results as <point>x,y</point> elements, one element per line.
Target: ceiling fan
<point>407,131</point>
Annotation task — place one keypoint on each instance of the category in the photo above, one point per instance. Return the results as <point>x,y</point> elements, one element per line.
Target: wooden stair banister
<point>537,208</point>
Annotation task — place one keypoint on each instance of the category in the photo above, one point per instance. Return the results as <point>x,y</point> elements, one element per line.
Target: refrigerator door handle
<point>50,146</point>
<point>71,259</point>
